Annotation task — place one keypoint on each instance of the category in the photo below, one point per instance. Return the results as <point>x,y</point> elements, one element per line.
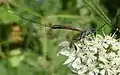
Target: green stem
<point>99,12</point>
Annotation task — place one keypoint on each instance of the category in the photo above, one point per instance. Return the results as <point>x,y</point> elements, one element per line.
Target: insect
<point>81,33</point>
<point>76,37</point>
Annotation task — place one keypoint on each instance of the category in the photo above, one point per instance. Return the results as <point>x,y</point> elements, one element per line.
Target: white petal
<point>76,64</point>
<point>96,70</point>
<point>91,73</point>
<point>102,72</point>
<point>69,60</point>
<point>64,52</point>
<point>72,69</point>
<point>82,70</point>
<point>64,43</point>
<point>109,72</point>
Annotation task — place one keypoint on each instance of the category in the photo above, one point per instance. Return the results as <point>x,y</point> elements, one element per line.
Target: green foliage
<point>39,54</point>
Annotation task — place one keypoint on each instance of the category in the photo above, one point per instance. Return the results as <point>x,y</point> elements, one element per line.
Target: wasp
<point>81,33</point>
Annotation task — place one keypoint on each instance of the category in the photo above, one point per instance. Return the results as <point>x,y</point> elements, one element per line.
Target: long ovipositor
<point>64,27</point>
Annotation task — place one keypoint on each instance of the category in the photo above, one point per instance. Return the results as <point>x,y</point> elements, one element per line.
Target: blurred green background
<point>28,47</point>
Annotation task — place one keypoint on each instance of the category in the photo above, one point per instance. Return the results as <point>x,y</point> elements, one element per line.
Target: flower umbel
<point>95,55</point>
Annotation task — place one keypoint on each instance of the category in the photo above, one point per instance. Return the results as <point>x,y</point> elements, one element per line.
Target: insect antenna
<point>20,15</point>
<point>29,20</point>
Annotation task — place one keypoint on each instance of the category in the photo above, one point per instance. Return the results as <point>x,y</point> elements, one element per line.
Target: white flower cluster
<point>95,55</point>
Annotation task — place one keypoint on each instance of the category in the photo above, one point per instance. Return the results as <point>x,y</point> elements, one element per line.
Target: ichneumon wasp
<point>82,33</point>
